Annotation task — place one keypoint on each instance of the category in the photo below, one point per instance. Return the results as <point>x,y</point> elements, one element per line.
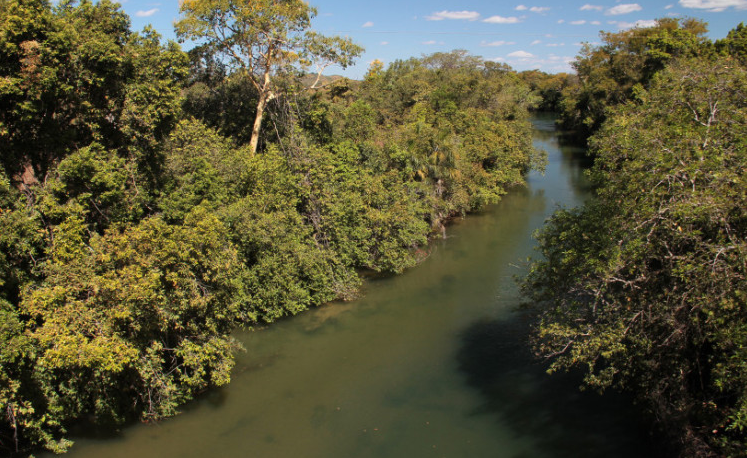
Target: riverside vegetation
<point>152,200</point>
<point>645,288</point>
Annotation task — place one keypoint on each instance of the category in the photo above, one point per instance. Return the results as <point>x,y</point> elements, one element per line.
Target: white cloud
<point>560,21</point>
<point>521,54</point>
<point>368,24</point>
<point>384,43</point>
<point>641,24</point>
<point>534,9</point>
<point>497,43</point>
<point>714,5</point>
<point>148,13</point>
<point>429,42</point>
<point>669,7</point>
<point>625,8</point>
<point>441,15</point>
<point>595,23</point>
<point>580,22</point>
<point>498,59</point>
<point>502,20</point>
<point>555,45</point>
<point>536,42</point>
<point>588,7</point>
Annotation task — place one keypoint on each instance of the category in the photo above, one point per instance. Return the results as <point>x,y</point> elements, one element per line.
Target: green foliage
<point>62,80</point>
<point>141,312</point>
<point>646,285</point>
<point>452,126</point>
<point>152,98</point>
<point>138,227</point>
<point>94,184</point>
<point>735,44</point>
<point>614,72</point>
<point>370,220</point>
<point>21,242</point>
<point>75,75</point>
<point>201,168</point>
<point>549,88</point>
<point>289,269</point>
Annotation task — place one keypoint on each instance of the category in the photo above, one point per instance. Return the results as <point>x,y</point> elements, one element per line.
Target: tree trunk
<point>261,104</point>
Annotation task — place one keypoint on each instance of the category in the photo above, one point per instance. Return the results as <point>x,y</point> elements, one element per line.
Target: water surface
<point>433,362</point>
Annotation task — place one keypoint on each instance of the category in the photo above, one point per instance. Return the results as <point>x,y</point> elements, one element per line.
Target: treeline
<point>645,287</point>
<point>143,217</point>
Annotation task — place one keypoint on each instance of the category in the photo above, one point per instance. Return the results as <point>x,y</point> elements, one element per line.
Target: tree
<point>615,71</point>
<point>261,38</point>
<point>62,75</point>
<point>735,43</point>
<point>646,287</point>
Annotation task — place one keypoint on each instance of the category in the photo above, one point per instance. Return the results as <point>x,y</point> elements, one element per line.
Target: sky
<point>535,34</point>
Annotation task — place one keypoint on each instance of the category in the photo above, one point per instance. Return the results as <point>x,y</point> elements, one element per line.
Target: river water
<point>431,363</point>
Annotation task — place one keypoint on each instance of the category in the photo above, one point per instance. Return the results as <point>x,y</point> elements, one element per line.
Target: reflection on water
<point>429,363</point>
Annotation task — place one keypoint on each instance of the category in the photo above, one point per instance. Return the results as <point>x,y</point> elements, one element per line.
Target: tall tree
<point>262,38</point>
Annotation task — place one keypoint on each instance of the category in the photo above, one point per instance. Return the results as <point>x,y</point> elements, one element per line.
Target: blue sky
<point>526,34</point>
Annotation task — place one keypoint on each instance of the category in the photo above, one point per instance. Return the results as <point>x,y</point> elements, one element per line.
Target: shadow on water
<point>562,420</point>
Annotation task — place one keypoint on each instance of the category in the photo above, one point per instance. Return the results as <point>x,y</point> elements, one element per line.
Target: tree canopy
<point>645,286</point>
<point>624,64</point>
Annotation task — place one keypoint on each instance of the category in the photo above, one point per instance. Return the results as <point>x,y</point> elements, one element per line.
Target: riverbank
<point>429,362</point>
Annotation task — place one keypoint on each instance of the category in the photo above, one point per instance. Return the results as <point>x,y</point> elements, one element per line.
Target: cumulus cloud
<point>560,21</point>
<point>536,42</point>
<point>595,23</point>
<point>625,8</point>
<point>497,43</point>
<point>588,7</point>
<point>554,45</point>
<point>462,15</point>
<point>502,20</point>
<point>669,7</point>
<point>521,54</point>
<point>429,42</point>
<point>714,5</point>
<point>147,13</point>
<point>521,8</point>
<point>579,22</point>
<point>368,24</point>
<point>384,43</point>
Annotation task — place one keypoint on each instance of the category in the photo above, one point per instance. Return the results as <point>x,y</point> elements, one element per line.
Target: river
<point>430,363</point>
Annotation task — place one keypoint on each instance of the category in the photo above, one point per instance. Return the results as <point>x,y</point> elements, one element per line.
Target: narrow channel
<point>429,363</point>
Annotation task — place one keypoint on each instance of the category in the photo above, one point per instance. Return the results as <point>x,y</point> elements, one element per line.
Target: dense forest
<point>152,200</point>
<point>645,287</point>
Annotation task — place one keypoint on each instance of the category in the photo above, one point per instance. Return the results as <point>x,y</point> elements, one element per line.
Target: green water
<point>431,363</point>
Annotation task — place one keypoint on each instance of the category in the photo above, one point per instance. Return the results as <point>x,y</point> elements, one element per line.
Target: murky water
<point>429,363</point>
